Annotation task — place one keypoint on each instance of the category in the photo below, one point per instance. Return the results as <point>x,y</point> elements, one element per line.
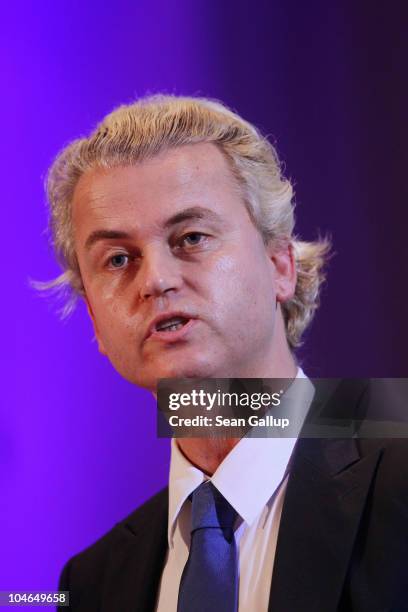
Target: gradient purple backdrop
<point>327,81</point>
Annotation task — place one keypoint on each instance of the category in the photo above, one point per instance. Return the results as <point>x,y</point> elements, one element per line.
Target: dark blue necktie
<point>210,578</point>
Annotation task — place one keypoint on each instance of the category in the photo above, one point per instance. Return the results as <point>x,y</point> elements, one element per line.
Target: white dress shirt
<point>253,478</point>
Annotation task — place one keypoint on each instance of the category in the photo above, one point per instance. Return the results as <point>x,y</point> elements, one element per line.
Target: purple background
<point>327,81</point>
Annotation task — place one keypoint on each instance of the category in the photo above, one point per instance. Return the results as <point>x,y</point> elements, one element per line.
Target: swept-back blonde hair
<point>134,132</point>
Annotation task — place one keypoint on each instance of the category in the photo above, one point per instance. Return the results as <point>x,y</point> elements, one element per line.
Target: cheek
<point>106,313</point>
<point>111,319</point>
<point>109,301</point>
<point>242,291</point>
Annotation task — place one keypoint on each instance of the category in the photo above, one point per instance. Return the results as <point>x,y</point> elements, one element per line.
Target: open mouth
<point>172,324</point>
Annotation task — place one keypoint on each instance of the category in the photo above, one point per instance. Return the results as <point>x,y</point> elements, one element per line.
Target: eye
<point>120,260</point>
<point>192,239</point>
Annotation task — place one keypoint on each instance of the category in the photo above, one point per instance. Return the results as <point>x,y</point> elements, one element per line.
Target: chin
<point>181,368</point>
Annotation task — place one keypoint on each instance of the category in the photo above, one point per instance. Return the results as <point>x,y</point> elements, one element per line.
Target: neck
<point>207,453</point>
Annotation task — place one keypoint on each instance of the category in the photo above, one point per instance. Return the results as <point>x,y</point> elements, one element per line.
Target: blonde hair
<point>137,131</point>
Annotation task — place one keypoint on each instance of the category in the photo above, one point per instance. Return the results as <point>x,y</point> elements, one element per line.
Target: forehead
<point>148,192</point>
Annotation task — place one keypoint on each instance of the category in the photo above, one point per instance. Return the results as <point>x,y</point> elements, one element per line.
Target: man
<point>174,223</point>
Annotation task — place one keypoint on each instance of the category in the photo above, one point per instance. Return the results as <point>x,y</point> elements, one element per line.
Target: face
<point>177,278</point>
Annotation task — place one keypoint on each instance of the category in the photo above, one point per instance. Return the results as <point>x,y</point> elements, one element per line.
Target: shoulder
<point>382,423</point>
<point>152,510</point>
<point>392,468</point>
<point>383,431</point>
<point>88,567</point>
<point>382,426</point>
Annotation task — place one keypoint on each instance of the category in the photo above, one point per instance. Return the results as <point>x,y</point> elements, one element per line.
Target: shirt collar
<point>247,477</point>
<point>184,479</point>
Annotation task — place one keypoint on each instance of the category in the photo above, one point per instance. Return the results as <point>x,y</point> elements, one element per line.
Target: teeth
<point>174,327</point>
<point>171,325</point>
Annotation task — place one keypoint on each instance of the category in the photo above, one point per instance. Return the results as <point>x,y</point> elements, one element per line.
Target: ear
<point>99,340</point>
<point>283,258</point>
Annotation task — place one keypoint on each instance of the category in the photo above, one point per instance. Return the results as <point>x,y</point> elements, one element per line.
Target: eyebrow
<point>193,212</point>
<point>99,235</point>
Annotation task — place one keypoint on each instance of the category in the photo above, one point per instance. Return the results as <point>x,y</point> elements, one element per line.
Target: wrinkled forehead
<point>151,191</point>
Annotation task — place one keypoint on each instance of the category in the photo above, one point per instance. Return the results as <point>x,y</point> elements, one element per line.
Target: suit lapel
<point>324,502</point>
<point>136,562</point>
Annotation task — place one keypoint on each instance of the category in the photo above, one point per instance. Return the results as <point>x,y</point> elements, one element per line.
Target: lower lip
<point>168,337</point>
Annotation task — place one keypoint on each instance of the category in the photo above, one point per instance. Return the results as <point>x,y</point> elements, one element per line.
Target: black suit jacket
<point>343,537</point>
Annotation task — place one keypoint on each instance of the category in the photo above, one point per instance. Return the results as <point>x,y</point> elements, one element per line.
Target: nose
<point>158,274</point>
